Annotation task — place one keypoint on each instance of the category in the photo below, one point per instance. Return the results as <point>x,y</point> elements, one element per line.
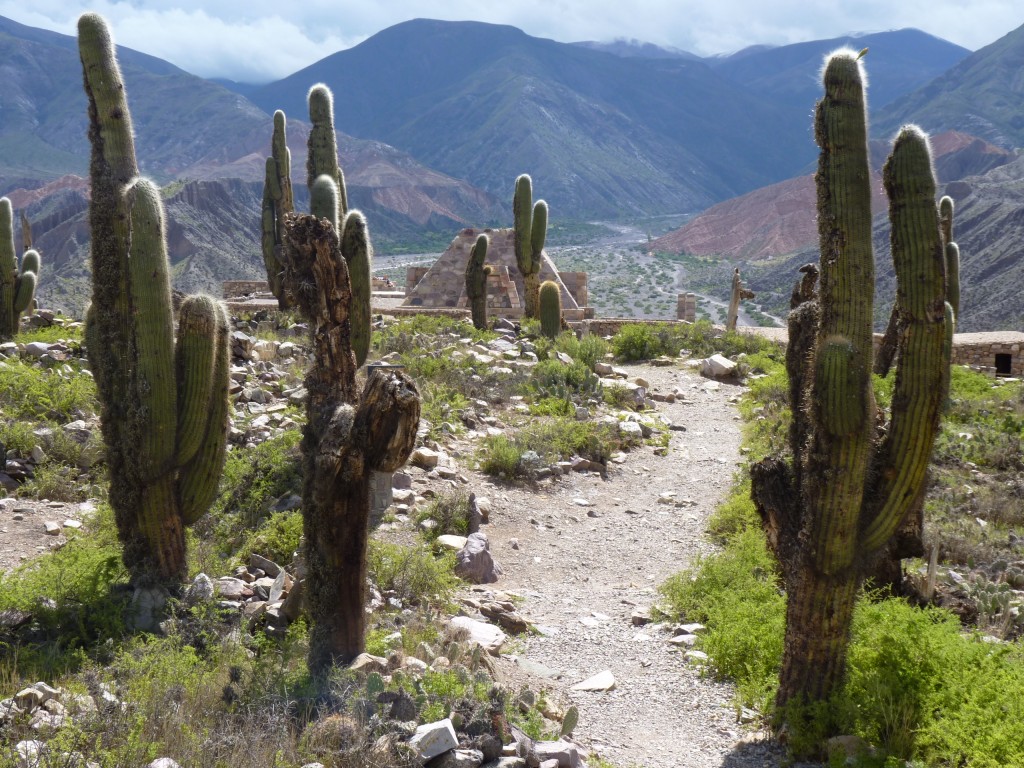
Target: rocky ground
<point>582,554</point>
<point>585,552</point>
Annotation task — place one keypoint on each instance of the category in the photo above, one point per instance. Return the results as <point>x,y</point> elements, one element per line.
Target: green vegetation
<point>647,341</point>
<point>918,686</point>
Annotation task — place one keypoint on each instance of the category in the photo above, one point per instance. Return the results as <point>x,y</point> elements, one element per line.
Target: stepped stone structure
<point>444,284</point>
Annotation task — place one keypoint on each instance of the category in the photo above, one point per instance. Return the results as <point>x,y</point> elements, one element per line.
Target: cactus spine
<point>531,227</point>
<point>17,286</point>
<point>476,282</point>
<point>550,309</point>
<point>278,200</point>
<point>847,489</point>
<point>165,406</point>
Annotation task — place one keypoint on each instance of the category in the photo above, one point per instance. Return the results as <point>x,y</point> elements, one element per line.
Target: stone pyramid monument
<point>444,283</point>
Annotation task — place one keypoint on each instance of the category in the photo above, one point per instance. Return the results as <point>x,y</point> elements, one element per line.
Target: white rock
<point>451,541</point>
<point>424,457</point>
<point>718,367</point>
<point>433,739</point>
<point>488,636</point>
<point>602,681</point>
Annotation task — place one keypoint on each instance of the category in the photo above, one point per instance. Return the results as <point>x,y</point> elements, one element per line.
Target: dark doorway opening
<point>1003,360</point>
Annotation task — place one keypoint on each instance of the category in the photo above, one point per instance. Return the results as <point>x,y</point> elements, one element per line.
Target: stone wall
<point>999,354</point>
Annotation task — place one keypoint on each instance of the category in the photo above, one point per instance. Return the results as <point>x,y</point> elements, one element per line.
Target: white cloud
<point>255,41</point>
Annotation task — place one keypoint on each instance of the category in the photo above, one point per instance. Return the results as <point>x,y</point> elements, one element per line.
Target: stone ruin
<point>443,285</point>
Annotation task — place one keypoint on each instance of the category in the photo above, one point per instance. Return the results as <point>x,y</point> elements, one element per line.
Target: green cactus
<point>322,157</point>
<point>164,404</point>
<point>531,227</point>
<point>550,309</point>
<point>476,282</point>
<point>952,252</point>
<point>849,487</point>
<point>17,286</point>
<point>278,200</point>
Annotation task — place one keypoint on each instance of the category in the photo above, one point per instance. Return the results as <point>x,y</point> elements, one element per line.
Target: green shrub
<point>276,538</point>
<point>30,392</point>
<point>501,457</point>
<point>255,477</point>
<point>589,349</point>
<point>73,595</point>
<point>637,342</point>
<point>441,404</point>
<point>735,593</point>
<point>412,572</point>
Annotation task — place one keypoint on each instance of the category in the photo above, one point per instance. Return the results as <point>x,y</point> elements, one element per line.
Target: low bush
<point>413,573</point>
<point>56,394</point>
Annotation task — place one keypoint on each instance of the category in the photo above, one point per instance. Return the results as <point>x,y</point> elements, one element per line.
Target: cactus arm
<point>152,433</point>
<point>841,396</point>
<point>195,356</point>
<point>25,292</point>
<point>953,278</point>
<point>323,144</point>
<point>199,476</point>
<point>26,233</point>
<point>355,245</point>
<point>522,207</point>
<point>323,200</point>
<point>538,232</point>
<point>902,459</point>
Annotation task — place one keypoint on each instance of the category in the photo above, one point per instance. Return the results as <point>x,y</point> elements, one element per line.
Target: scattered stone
<point>163,762</point>
<point>269,567</point>
<point>451,541</point>
<point>602,681</point>
<point>459,758</point>
<point>52,528</point>
<point>425,457</point>
<point>200,590</point>
<point>433,739</point>
<point>687,640</point>
<point>487,636</point>
<point>366,662</point>
<point>563,753</point>
<point>230,588</point>
<point>474,562</point>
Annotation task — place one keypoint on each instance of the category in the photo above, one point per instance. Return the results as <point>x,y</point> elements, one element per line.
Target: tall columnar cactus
<point>739,292</point>
<point>164,403</point>
<point>531,228</point>
<point>850,485</point>
<point>346,437</point>
<point>278,200</point>
<point>17,286</point>
<point>476,282</point>
<point>550,309</point>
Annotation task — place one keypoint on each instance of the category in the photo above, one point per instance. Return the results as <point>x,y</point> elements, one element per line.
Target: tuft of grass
<point>30,392</point>
<point>451,513</point>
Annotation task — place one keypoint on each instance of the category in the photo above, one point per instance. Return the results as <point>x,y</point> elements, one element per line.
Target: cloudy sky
<point>254,41</point>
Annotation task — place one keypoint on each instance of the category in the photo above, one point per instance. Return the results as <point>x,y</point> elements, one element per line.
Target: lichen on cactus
<point>851,485</point>
<point>476,282</point>
<point>531,227</point>
<point>164,403</point>
<point>278,199</point>
<point>17,286</point>
<point>550,309</point>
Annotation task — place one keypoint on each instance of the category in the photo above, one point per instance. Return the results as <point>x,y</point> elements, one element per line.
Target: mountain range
<point>437,118</point>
